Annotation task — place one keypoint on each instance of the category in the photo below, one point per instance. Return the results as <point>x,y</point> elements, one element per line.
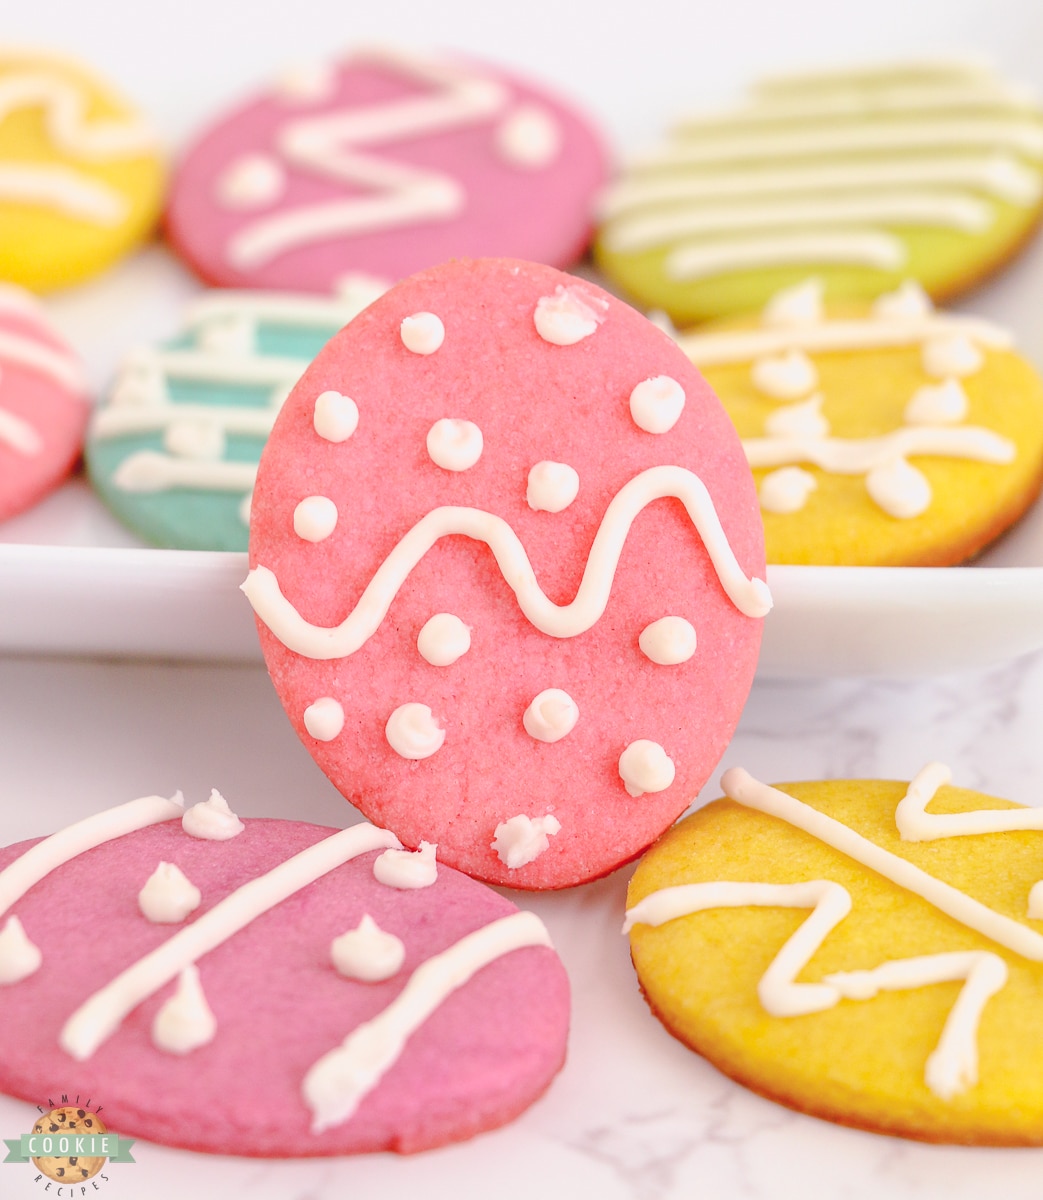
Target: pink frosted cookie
<point>507,564</point>
<point>43,403</point>
<point>269,987</point>
<point>383,163</point>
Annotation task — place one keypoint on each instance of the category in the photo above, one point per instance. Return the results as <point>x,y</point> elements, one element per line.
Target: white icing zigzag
<point>394,193</point>
<point>750,596</point>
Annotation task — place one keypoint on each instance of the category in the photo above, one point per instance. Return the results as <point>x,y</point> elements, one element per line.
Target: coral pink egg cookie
<point>512,605</point>
<point>385,162</point>
<point>43,403</point>
<point>268,987</point>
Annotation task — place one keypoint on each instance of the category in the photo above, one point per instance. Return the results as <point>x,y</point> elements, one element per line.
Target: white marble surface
<point>633,1116</point>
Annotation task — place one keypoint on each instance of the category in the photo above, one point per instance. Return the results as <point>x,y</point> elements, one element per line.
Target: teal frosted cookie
<point>173,451</point>
<point>930,171</point>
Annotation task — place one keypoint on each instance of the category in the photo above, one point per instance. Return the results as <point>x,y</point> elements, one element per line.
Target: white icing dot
<point>523,839</point>
<point>185,1022</point>
<point>899,488</point>
<point>798,305</point>
<point>253,181</point>
<point>423,333</point>
<point>324,719</point>
<point>367,952</point>
<point>786,490</point>
<point>656,404</point>
<point>937,404</point>
<point>908,300</point>
<point>443,639</point>
<point>529,137</point>
<point>315,518</point>
<point>803,419</point>
<point>645,766</point>
<point>786,376</point>
<point>568,316</point>
<point>955,355</point>
<point>551,716</point>
<point>668,641</point>
<point>412,732</point>
<point>551,487</point>
<point>336,417</point>
<point>186,437</point>
<point>454,445</point>
<point>19,957</point>
<point>168,896</point>
<point>212,820</point>
<point>407,869</point>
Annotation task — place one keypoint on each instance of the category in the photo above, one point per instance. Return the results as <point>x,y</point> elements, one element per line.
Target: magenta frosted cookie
<point>43,403</point>
<point>507,564</point>
<point>268,987</point>
<point>385,162</point>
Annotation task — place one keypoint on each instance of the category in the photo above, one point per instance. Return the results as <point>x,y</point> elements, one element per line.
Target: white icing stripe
<point>400,194</point>
<point>150,471</point>
<point>117,420</point>
<point>741,787</point>
<point>98,139</point>
<point>778,991</point>
<point>953,1065</point>
<point>859,135</point>
<point>643,230</point>
<point>61,188</point>
<point>37,356</point>
<point>100,1015</point>
<point>857,247</point>
<point>750,596</point>
<point>917,825</point>
<point>224,367</point>
<point>19,435</point>
<point>288,310</point>
<point>856,456</point>
<point>38,861</point>
<point>998,175</point>
<point>870,333</point>
<point>334,1086</point>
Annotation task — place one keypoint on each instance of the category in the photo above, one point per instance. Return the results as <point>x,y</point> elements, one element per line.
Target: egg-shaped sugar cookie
<point>324,996</point>
<point>82,172</point>
<point>865,951</point>
<point>385,161</point>
<point>516,611</point>
<point>43,403</point>
<point>927,170</point>
<point>173,447</point>
<point>889,434</point>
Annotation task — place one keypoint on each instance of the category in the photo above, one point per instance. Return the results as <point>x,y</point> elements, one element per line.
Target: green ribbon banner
<point>63,1145</point>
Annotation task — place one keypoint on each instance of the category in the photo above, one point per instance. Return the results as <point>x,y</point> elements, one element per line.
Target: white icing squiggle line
<point>38,356</point>
<point>857,247</point>
<point>778,990</point>
<point>335,1085</point>
<point>917,825</point>
<point>870,333</point>
<point>741,787</point>
<point>100,1015</point>
<point>19,435</point>
<point>750,596</point>
<point>39,860</point>
<point>60,188</point>
<point>857,456</point>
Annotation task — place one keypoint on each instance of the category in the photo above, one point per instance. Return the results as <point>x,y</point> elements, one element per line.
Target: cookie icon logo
<point>69,1144</point>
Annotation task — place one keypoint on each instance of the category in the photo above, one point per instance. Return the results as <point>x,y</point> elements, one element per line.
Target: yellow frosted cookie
<point>925,170</point>
<point>888,434</point>
<point>866,951</point>
<point>81,176</point>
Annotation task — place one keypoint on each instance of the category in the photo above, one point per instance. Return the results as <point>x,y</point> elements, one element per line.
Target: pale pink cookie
<point>242,1040</point>
<point>43,403</point>
<point>516,611</point>
<point>384,162</point>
